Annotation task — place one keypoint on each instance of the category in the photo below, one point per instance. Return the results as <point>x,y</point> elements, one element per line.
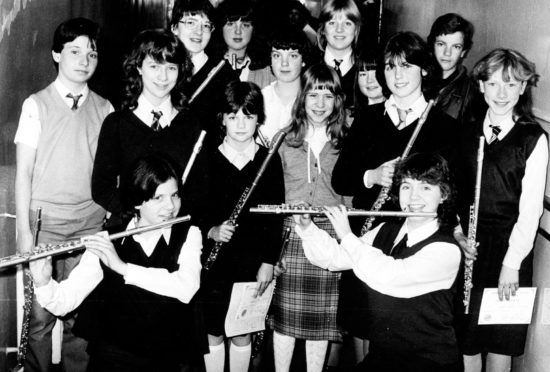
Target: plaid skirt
<point>305,301</point>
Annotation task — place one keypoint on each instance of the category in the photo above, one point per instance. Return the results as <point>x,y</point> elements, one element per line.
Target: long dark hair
<point>162,46</point>
<point>319,76</point>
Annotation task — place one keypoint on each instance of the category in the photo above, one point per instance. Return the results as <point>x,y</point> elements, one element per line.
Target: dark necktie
<point>402,114</point>
<point>399,247</point>
<point>337,63</point>
<point>75,100</point>
<point>156,120</point>
<point>496,131</point>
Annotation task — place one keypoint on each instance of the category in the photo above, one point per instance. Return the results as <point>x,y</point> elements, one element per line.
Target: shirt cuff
<point>365,180</point>
<point>512,260</point>
<point>45,294</point>
<point>132,274</point>
<point>307,232</point>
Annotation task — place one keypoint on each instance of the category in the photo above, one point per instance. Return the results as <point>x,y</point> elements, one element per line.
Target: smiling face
<point>77,62</point>
<point>286,64</point>
<point>194,31</point>
<point>501,95</point>
<point>419,196</point>
<point>319,104</point>
<point>449,51</point>
<point>368,85</point>
<point>240,128</point>
<point>163,206</point>
<point>158,79</point>
<point>404,80</point>
<point>237,36</point>
<point>340,33</point>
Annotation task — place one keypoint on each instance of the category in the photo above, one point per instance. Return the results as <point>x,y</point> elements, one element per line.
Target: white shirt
<point>30,128</point>
<point>432,268</point>
<point>277,114</point>
<point>144,108</point>
<point>417,109</point>
<point>531,198</point>
<point>199,60</point>
<point>62,298</point>
<point>238,158</point>
<point>345,65</point>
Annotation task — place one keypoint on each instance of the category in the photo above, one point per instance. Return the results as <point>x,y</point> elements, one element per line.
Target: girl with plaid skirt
<point>306,297</point>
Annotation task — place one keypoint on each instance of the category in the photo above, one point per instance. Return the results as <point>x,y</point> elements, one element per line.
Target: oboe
<point>301,209</point>
<point>196,150</point>
<point>73,245</point>
<point>384,192</point>
<point>276,143</point>
<point>472,229</point>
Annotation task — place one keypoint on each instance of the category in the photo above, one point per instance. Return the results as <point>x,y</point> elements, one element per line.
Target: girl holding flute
<point>250,248</point>
<point>154,118</point>
<point>134,291</point>
<point>306,297</point>
<point>510,205</point>
<point>407,271</point>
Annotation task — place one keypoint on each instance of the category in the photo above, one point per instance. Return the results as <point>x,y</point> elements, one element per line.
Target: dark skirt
<point>305,302</point>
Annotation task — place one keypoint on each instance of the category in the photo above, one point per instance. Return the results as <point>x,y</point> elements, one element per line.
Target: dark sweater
<point>124,138</point>
<point>373,139</point>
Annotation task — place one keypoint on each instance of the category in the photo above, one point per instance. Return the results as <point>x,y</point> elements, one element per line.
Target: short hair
<point>318,76</point>
<point>449,24</point>
<point>329,10</point>
<point>73,28</point>
<point>513,65</point>
<point>243,95</point>
<point>365,61</point>
<point>162,46</point>
<point>146,174</point>
<point>410,47</point>
<point>433,169</point>
<point>289,38</point>
<point>191,7</point>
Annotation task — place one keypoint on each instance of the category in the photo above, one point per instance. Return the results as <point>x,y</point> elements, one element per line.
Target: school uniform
<point>511,201</point>
<point>407,283</point>
<point>306,297</point>
<point>139,321</point>
<point>256,240</point>
<point>347,71</point>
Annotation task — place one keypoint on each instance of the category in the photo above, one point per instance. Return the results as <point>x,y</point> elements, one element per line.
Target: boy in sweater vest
<point>56,143</point>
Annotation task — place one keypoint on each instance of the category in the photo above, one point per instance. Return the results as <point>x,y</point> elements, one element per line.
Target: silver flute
<point>300,209</point>
<point>73,245</point>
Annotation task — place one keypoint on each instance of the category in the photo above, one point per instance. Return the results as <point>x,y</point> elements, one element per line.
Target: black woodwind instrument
<point>73,245</point>
<point>276,143</point>
<point>315,211</point>
<point>384,192</point>
<point>27,307</point>
<point>472,228</point>
<point>206,81</point>
<point>196,149</point>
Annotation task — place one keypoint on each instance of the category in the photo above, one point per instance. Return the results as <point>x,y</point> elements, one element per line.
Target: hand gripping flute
<point>472,229</point>
<point>384,192</point>
<point>276,143</point>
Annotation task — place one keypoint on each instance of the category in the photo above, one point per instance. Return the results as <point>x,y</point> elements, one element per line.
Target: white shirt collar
<point>150,241</point>
<point>199,60</point>
<point>505,127</point>
<point>63,91</point>
<point>418,234</point>
<point>417,109</point>
<point>144,108</point>
<point>238,158</point>
<point>345,65</point>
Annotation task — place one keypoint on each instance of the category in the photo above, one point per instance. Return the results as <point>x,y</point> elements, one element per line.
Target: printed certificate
<point>247,313</point>
<point>517,310</point>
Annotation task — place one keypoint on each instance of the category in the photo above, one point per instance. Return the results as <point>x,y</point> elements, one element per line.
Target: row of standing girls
<point>321,162</point>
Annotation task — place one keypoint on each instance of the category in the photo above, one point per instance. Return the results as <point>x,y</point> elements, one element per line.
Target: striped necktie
<point>75,100</point>
<point>496,131</point>
<point>337,63</point>
<point>156,120</point>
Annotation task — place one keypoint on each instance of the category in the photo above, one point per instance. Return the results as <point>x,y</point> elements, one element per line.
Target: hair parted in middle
<point>162,46</point>
<point>330,10</point>
<point>318,76</point>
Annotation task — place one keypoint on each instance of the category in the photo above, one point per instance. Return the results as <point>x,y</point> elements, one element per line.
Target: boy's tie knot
<point>156,120</point>
<point>75,99</point>
<point>402,114</point>
<point>496,131</point>
<point>337,63</point>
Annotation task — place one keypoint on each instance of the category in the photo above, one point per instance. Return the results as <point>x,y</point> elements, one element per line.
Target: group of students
<point>142,302</point>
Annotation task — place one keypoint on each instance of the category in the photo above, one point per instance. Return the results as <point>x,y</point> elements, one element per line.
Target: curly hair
<point>162,46</point>
<point>319,76</point>
<point>514,65</point>
<point>433,169</point>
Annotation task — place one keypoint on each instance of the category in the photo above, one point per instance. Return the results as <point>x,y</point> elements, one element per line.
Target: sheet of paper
<point>247,313</point>
<point>517,310</point>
